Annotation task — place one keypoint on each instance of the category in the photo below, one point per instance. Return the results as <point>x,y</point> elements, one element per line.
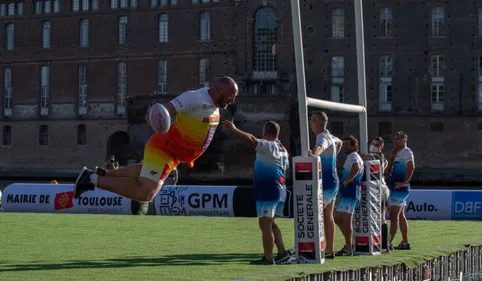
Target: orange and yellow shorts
<point>157,163</point>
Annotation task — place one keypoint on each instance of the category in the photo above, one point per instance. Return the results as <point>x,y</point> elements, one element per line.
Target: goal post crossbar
<point>304,101</point>
<point>338,106</point>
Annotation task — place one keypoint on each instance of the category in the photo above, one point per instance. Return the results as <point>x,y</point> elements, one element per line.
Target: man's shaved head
<point>224,91</point>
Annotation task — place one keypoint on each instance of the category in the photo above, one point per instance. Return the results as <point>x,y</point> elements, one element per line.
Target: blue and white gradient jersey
<point>329,144</point>
<point>353,189</point>
<point>399,169</point>
<point>270,171</point>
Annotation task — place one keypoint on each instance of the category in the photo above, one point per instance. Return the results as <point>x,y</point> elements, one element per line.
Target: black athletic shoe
<point>99,171</point>
<point>403,246</point>
<point>292,252</point>
<point>83,183</point>
<point>330,256</point>
<point>283,257</point>
<point>344,252</point>
<point>263,261</point>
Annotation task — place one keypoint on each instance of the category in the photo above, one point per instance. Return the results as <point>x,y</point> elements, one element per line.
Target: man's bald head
<point>224,92</point>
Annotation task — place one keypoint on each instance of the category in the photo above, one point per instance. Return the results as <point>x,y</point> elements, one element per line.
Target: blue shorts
<point>347,205</point>
<point>270,209</point>
<point>398,198</point>
<point>329,195</point>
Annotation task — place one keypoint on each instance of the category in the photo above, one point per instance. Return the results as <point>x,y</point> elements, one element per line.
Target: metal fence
<point>463,265</point>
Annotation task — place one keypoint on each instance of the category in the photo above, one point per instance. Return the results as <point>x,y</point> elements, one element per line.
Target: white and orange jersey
<point>193,128</point>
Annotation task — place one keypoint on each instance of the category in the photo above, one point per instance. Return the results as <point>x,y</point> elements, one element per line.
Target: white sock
<point>93,179</point>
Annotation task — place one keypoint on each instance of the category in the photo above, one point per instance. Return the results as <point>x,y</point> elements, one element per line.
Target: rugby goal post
<point>307,194</point>
<point>304,101</point>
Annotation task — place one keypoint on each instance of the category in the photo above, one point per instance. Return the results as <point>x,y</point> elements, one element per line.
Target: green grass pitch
<point>45,247</point>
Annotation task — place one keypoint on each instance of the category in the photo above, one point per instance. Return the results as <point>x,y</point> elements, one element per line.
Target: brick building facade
<point>67,68</point>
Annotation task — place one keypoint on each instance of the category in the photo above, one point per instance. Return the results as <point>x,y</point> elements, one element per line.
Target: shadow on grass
<point>169,260</point>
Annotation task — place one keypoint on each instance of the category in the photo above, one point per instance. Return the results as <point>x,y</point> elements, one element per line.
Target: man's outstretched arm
<point>247,138</point>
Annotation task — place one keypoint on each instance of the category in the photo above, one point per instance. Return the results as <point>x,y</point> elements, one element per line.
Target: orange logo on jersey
<point>211,119</point>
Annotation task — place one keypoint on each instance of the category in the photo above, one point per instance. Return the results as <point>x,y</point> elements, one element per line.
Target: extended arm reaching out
<point>247,138</point>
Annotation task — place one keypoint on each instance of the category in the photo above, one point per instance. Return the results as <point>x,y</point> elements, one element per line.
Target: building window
<point>163,28</point>
<point>160,3</point>
<point>46,35</point>
<point>123,30</point>
<point>436,127</point>
<point>203,72</point>
<point>385,86</point>
<point>47,7</point>
<point>86,5</point>
<point>43,139</point>
<point>205,27</point>
<point>337,78</point>
<point>81,135</point>
<point>438,21</point>
<point>10,30</point>
<point>84,33</point>
<point>7,92</point>
<point>386,19</point>
<point>121,86</point>
<point>162,77</point>
<point>337,93</point>
<point>44,87</point>
<point>20,9</point>
<point>437,96</point>
<point>123,4</point>
<point>7,135</point>
<point>204,1</point>
<point>38,7</point>
<point>11,9</point>
<point>264,47</point>
<point>82,72</point>
<point>438,66</point>
<point>337,66</point>
<point>386,66</point>
<point>385,131</point>
<point>337,129</point>
<point>338,23</point>
<point>56,6</point>
<point>386,96</point>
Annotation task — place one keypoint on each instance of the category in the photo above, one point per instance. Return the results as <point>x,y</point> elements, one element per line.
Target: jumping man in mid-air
<point>196,115</point>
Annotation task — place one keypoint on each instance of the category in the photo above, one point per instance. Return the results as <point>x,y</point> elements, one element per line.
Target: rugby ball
<point>159,118</point>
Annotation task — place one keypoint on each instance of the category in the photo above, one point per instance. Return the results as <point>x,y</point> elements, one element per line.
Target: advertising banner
<point>429,204</point>
<point>367,216</point>
<point>192,200</point>
<point>466,205</point>
<point>59,198</point>
<point>308,210</point>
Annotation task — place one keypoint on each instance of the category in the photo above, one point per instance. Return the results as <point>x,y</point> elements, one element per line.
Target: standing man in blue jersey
<point>327,148</point>
<point>269,187</point>
<point>401,166</point>
<point>349,192</point>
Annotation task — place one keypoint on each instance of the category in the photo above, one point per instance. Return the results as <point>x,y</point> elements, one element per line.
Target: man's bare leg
<point>132,172</point>
<point>329,227</point>
<point>143,190</point>
<point>278,239</point>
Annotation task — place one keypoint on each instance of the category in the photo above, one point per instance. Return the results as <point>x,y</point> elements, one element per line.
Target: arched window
<point>265,38</point>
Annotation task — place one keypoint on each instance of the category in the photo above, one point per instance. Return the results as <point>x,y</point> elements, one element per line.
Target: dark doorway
<point>118,145</point>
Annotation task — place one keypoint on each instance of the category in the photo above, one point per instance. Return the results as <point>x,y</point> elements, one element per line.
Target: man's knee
<point>147,189</point>
<point>265,223</point>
